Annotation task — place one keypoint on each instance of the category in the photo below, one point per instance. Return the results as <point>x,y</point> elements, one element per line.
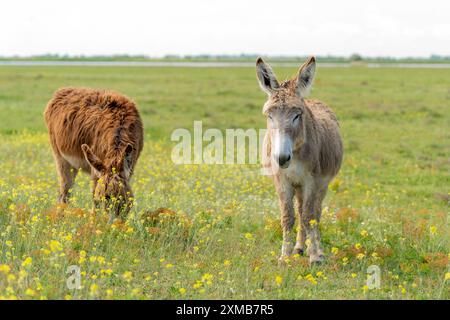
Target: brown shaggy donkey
<point>303,152</point>
<point>101,133</point>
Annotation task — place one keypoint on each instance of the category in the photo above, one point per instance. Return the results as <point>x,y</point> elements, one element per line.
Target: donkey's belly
<point>298,175</point>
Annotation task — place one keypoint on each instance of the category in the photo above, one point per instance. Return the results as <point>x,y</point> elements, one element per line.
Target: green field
<point>218,235</point>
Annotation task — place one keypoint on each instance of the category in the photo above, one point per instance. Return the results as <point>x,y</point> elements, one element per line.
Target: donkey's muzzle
<point>284,160</point>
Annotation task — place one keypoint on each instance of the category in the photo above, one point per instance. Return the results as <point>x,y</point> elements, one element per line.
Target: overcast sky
<point>294,27</point>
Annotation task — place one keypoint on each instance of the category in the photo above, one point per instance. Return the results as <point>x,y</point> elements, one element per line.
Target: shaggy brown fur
<point>99,132</point>
<point>303,152</point>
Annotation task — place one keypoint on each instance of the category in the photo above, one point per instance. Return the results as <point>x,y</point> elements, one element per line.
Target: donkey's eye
<point>296,117</point>
<point>270,117</point>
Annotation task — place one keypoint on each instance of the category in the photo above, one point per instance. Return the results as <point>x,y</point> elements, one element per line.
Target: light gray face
<point>284,108</point>
<point>284,125</point>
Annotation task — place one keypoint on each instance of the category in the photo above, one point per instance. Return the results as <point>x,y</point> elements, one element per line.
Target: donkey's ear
<point>95,163</point>
<point>128,160</point>
<point>266,77</point>
<point>305,77</point>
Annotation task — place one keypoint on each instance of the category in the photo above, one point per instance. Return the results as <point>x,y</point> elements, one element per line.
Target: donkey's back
<point>98,118</point>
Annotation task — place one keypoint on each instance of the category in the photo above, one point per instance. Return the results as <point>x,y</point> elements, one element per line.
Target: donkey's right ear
<point>95,163</point>
<point>266,77</point>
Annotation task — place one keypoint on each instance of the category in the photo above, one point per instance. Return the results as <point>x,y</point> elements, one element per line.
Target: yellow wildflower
<point>207,277</point>
<point>55,246</point>
<point>27,262</point>
<point>433,230</point>
<point>93,289</point>
<point>311,279</point>
<point>127,275</point>
<point>403,290</point>
<point>11,278</point>
<point>30,292</point>
<point>82,258</point>
<point>5,268</point>
<point>129,230</point>
<point>135,291</point>
<point>106,271</point>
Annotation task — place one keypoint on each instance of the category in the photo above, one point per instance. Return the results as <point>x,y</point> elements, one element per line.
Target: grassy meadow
<point>213,231</point>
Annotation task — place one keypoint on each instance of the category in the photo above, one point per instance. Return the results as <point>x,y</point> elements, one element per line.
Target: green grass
<point>221,236</point>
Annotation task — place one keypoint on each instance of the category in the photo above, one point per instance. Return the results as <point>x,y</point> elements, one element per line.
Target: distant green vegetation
<point>219,236</point>
<point>230,58</point>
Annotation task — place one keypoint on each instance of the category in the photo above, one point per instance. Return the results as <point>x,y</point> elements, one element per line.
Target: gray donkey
<point>303,151</point>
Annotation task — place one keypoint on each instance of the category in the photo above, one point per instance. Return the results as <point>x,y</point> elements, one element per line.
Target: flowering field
<point>213,231</point>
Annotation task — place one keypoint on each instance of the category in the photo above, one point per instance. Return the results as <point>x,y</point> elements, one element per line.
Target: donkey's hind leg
<point>67,175</point>
<point>312,206</point>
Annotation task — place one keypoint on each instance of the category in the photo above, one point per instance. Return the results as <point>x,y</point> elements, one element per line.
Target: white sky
<point>294,27</point>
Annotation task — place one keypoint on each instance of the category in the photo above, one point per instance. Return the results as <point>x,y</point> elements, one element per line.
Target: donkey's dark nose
<point>283,160</point>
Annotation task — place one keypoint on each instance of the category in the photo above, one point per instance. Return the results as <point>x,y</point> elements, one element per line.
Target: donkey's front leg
<point>96,202</point>
<point>285,195</point>
<point>301,232</point>
<point>310,219</point>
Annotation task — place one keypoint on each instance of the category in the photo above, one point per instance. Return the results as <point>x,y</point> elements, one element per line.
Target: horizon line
<point>354,56</point>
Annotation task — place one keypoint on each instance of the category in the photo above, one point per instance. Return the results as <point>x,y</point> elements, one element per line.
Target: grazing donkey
<point>303,151</point>
<point>99,132</point>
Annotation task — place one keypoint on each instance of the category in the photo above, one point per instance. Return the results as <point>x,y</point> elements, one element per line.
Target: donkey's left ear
<point>128,160</point>
<point>305,77</point>
<point>96,164</point>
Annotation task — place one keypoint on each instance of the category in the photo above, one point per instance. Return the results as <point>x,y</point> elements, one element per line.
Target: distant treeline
<point>241,57</point>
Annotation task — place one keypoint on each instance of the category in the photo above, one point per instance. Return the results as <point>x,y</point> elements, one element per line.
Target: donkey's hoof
<point>299,251</point>
<point>316,260</point>
<point>282,261</point>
